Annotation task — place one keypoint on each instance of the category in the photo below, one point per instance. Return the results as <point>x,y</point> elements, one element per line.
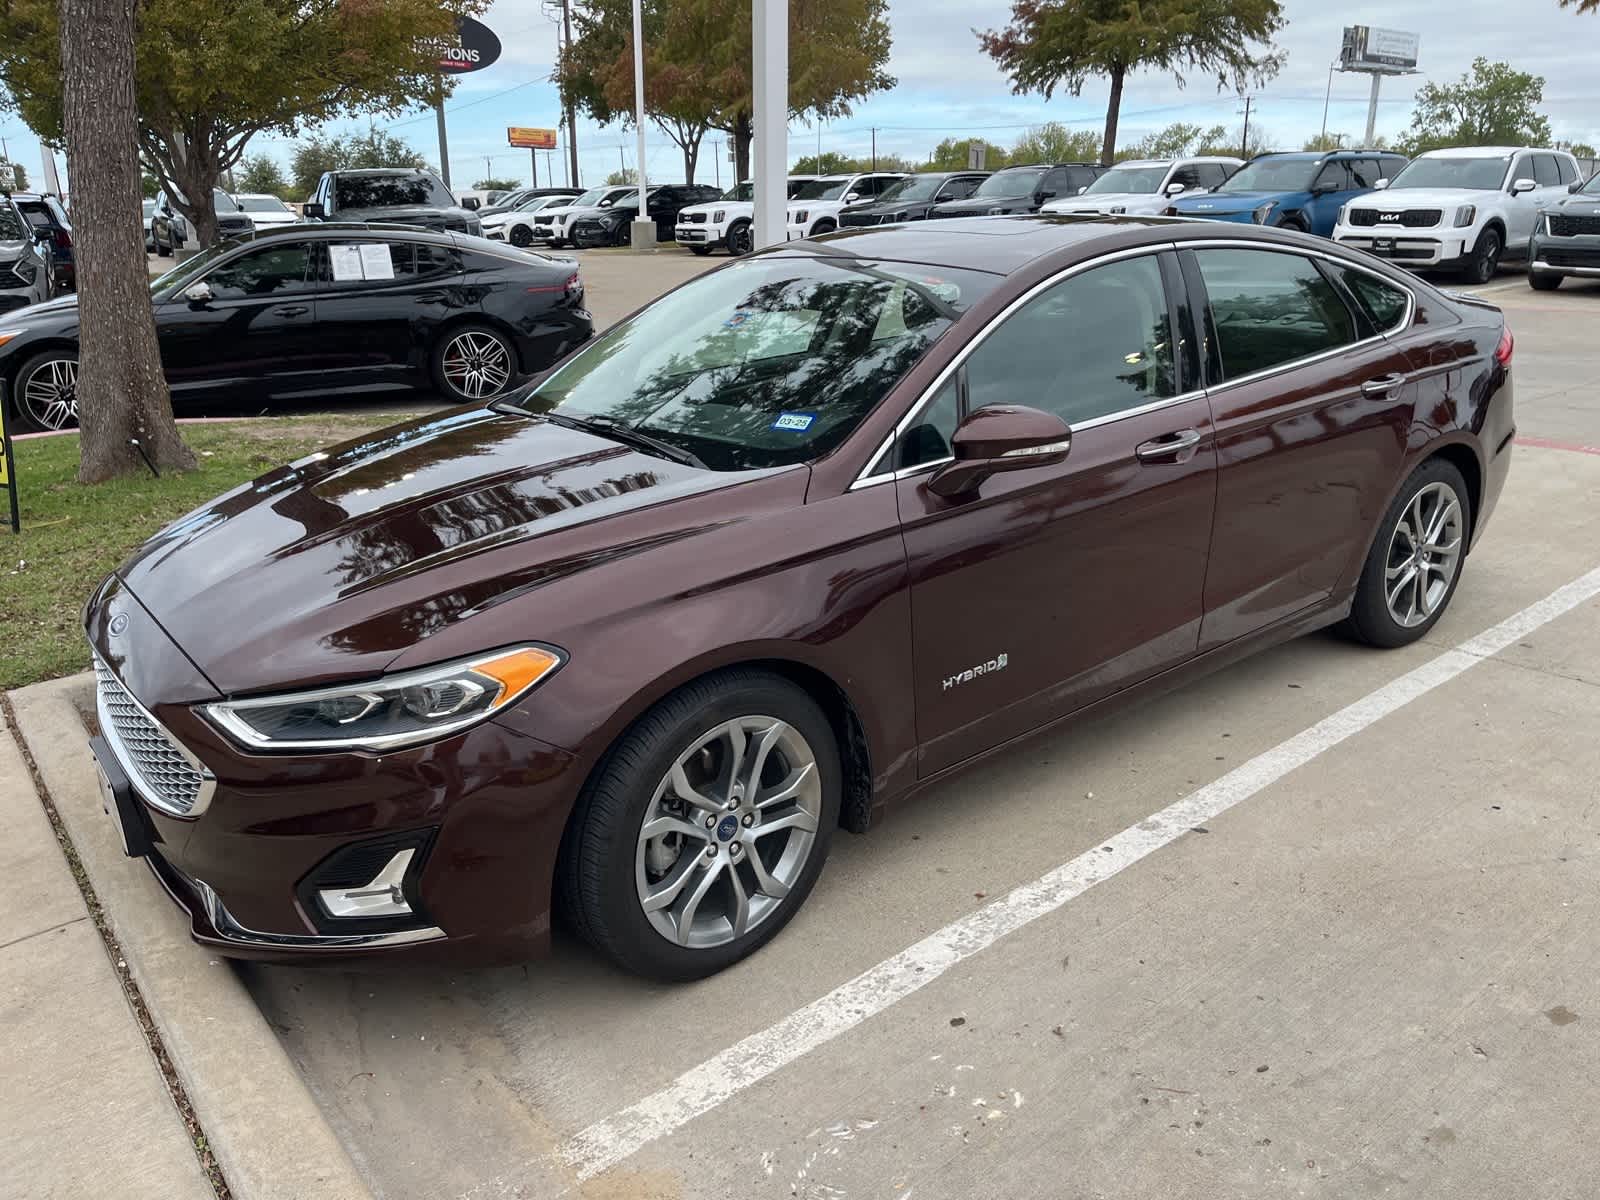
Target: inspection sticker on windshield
<point>794,422</point>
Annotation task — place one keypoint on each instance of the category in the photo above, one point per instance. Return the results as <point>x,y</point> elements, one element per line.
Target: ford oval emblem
<point>118,624</point>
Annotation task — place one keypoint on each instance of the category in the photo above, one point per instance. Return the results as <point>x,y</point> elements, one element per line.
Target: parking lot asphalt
<point>1323,923</point>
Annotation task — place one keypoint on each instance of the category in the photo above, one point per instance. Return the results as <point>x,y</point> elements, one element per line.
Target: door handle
<point>1171,447</point>
<point>1382,385</point>
<point>290,310</point>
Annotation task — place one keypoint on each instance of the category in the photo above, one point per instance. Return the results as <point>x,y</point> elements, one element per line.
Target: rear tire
<point>1543,281</point>
<point>608,865</point>
<point>1392,606</point>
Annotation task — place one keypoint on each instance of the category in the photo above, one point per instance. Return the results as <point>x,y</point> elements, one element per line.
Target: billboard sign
<point>473,48</point>
<point>1368,48</point>
<point>527,138</point>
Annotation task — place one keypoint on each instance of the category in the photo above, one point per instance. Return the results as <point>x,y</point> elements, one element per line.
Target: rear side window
<point>1188,175</point>
<point>1384,303</point>
<point>958,189</point>
<point>281,268</point>
<point>1545,171</point>
<point>1271,308</point>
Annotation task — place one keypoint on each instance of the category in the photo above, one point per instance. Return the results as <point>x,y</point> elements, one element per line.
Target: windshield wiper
<point>627,434</point>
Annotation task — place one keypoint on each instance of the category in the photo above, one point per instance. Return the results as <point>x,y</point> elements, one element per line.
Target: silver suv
<point>24,263</point>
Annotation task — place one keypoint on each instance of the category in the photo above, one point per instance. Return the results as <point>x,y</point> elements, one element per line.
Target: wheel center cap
<point>727,827</point>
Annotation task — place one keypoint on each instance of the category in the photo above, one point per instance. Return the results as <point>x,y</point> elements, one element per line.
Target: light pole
<point>770,94</point>
<point>1327,96</point>
<point>643,233</point>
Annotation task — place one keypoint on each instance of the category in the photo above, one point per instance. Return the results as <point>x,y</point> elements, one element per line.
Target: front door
<point>260,319</point>
<point>1056,586</point>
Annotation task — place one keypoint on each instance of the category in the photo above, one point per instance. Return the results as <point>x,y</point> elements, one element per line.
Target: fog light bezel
<point>325,877</point>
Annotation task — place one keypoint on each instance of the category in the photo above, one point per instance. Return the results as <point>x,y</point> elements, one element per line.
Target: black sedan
<point>913,197</point>
<point>314,310</point>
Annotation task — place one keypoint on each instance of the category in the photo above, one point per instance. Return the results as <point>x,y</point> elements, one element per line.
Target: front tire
<point>700,251</point>
<point>45,395</point>
<point>1484,260</point>
<point>473,364</point>
<point>739,238</point>
<point>1414,565</point>
<point>1543,281</point>
<point>704,828</point>
<point>520,236</point>
<point>823,226</point>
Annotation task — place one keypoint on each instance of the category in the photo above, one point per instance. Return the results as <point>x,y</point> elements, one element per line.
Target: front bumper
<point>1579,256</point>
<point>483,811</point>
<point>1408,249</point>
<point>698,235</point>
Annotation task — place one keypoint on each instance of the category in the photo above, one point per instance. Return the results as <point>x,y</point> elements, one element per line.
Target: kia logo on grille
<point>1388,216</point>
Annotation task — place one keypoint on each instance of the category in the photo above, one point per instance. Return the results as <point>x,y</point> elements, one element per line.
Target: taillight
<point>62,239</point>
<point>1502,352</point>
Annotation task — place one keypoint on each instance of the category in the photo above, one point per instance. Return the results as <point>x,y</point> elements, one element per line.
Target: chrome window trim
<point>871,476</point>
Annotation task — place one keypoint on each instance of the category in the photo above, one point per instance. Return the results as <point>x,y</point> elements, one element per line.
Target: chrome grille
<point>162,772</point>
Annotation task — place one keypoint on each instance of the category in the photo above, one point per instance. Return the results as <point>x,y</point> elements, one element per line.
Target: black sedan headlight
<point>382,714</point>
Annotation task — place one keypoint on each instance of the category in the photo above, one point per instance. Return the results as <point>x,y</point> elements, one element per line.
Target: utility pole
<point>1325,99</point>
<point>572,125</point>
<point>1244,138</point>
<point>534,154</point>
<point>874,147</point>
<point>444,143</point>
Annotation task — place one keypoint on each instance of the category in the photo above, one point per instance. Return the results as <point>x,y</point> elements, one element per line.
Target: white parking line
<point>702,1088</point>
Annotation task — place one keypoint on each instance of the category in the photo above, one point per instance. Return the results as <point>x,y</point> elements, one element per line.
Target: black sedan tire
<point>473,363</point>
<point>44,395</point>
<point>704,828</point>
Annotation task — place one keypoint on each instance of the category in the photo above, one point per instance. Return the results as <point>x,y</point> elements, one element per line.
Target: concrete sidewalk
<point>81,1097</point>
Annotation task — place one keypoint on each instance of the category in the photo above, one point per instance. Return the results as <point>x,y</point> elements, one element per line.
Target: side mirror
<point>314,210</point>
<point>1174,189</point>
<point>1083,189</point>
<point>1575,186</point>
<point>1324,187</point>
<point>851,197</point>
<point>198,293</point>
<point>1044,194</point>
<point>471,203</point>
<point>1380,185</point>
<point>1522,186</point>
<point>1000,437</point>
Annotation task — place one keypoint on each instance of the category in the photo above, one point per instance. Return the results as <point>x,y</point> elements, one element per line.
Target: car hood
<point>411,214</point>
<point>1226,202</point>
<point>1400,199</point>
<point>734,208</point>
<point>1582,203</point>
<point>977,206</point>
<point>63,310</point>
<point>333,567</point>
<point>814,205</point>
<point>891,208</point>
<point>1103,202</point>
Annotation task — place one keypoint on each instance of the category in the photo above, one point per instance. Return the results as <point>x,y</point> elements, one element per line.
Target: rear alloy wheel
<point>1543,281</point>
<point>520,236</point>
<point>1485,258</point>
<point>1415,562</point>
<point>473,363</point>
<point>705,827</point>
<point>46,392</point>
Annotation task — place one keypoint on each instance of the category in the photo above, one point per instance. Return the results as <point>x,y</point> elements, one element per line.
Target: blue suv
<point>1297,191</point>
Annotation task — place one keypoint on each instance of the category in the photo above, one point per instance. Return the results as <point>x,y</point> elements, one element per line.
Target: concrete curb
<point>266,1130</point>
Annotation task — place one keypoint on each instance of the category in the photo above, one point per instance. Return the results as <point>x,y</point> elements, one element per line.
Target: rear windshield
<point>262,204</point>
<point>391,191</point>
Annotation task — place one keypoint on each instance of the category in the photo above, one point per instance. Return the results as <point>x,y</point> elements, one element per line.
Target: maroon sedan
<point>793,541</point>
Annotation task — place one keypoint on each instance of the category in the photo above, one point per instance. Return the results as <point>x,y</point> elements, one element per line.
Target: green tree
<point>1490,105</point>
<point>311,158</point>
<point>13,175</point>
<point>622,177</point>
<point>1064,43</point>
<point>1227,142</point>
<point>496,185</point>
<point>1583,6</point>
<point>210,77</point>
<point>1053,142</point>
<point>829,163</point>
<point>953,154</point>
<point>149,185</point>
<point>1326,141</point>
<point>1175,141</point>
<point>1577,149</point>
<point>314,156</point>
<point>261,173</point>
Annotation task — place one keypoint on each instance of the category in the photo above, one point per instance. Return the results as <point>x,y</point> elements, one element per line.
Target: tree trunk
<point>691,155</point>
<point>122,394</point>
<point>741,147</point>
<point>1108,147</point>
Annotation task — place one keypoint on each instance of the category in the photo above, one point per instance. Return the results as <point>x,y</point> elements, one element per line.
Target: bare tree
<point>122,394</point>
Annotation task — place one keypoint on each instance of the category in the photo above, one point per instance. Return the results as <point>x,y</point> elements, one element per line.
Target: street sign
<point>8,468</point>
<point>977,153</point>
<point>474,47</point>
<point>527,138</point>
<point>1367,48</point>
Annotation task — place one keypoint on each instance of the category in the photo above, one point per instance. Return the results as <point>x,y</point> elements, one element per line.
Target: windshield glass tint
<point>262,204</point>
<point>1483,174</point>
<point>765,364</point>
<point>917,187</point>
<point>820,189</point>
<point>1273,175</point>
<point>386,191</point>
<point>1009,183</point>
<point>1143,180</point>
<point>149,208</point>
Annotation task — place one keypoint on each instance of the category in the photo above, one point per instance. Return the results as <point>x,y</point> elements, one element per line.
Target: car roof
<point>325,230</point>
<point>1485,151</point>
<point>381,171</point>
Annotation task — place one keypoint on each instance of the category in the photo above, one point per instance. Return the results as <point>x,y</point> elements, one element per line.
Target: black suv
<point>610,227</point>
<point>393,196</point>
<point>1022,189</point>
<point>911,198</point>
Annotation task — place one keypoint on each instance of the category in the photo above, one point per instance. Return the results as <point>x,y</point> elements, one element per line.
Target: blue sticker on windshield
<point>794,422</point>
<point>740,316</point>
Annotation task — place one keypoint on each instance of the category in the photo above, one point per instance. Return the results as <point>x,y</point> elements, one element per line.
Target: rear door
<point>1056,586</point>
<point>1313,408</point>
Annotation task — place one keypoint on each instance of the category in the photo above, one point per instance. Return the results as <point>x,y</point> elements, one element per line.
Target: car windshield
<point>1140,180</point>
<point>222,203</point>
<point>616,195</point>
<point>262,204</point>
<point>765,364</point>
<point>1480,174</point>
<point>820,189</point>
<point>914,187</point>
<point>391,191</point>
<point>12,227</point>
<point>1008,184</point>
<point>1592,188</point>
<point>741,191</point>
<point>178,278</point>
<point>1274,175</point>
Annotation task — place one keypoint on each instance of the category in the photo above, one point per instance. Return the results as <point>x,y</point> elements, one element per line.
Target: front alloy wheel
<point>47,392</point>
<point>740,240</point>
<point>520,236</point>
<point>1485,258</point>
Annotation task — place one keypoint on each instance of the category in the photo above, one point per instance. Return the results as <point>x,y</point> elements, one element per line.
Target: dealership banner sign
<point>474,47</point>
<point>530,139</point>
<point>8,468</point>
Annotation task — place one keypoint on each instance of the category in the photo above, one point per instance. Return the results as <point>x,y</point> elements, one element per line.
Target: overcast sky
<point>947,87</point>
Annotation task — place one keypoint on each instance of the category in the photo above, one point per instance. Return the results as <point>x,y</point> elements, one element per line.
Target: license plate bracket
<point>119,801</point>
<point>1383,246</point>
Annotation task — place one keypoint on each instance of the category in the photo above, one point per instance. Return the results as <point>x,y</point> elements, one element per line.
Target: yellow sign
<point>531,139</point>
<point>8,469</point>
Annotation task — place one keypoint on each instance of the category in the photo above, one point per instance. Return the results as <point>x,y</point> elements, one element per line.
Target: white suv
<point>816,206</point>
<point>1464,208</point>
<point>551,223</point>
<point>725,222</point>
<point>1143,186</point>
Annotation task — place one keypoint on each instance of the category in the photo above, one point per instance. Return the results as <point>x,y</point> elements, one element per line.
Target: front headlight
<point>1466,215</point>
<point>397,710</point>
<point>25,270</point>
<point>7,334</point>
<point>719,216</point>
<point>1263,211</point>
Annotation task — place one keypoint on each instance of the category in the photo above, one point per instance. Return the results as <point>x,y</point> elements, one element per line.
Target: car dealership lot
<point>1370,975</point>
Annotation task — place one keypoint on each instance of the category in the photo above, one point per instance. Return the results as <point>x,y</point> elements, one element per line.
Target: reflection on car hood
<point>982,204</point>
<point>1150,203</point>
<point>62,310</point>
<point>332,567</point>
<point>416,214</point>
<point>1581,203</point>
<point>1398,199</point>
